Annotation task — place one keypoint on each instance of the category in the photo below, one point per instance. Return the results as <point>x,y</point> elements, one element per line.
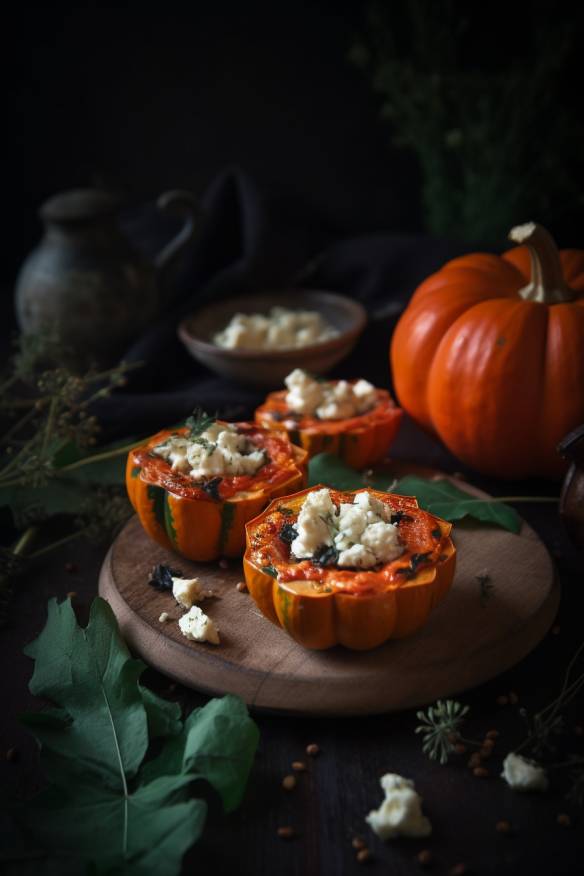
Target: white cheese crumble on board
<point>280,329</point>
<point>360,532</point>
<point>218,451</point>
<point>195,625</point>
<point>522,774</point>
<point>335,400</point>
<point>187,591</point>
<point>400,814</point>
<point>164,616</point>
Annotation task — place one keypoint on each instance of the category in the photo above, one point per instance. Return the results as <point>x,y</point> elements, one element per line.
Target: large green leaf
<point>441,497</point>
<point>444,499</point>
<point>217,743</point>
<point>103,806</point>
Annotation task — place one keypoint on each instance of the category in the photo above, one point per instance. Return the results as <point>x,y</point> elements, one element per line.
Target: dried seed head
<point>460,748</point>
<point>481,772</point>
<point>489,743</point>
<point>312,750</point>
<point>425,858</point>
<point>289,783</point>
<point>503,826</point>
<point>298,766</point>
<point>363,855</point>
<point>564,820</point>
<point>485,752</point>
<point>358,843</point>
<point>286,832</point>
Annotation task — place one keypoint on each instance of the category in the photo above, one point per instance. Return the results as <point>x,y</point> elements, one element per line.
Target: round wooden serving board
<point>467,640</point>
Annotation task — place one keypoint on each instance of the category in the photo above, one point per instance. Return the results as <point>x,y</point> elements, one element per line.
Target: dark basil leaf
<point>288,533</point>
<point>161,577</point>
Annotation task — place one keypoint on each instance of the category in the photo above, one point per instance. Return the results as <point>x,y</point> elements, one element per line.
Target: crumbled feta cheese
<point>197,626</point>
<point>337,400</point>
<point>281,328</point>
<point>163,617</point>
<point>218,451</point>
<point>522,774</point>
<point>187,591</point>
<point>400,814</point>
<point>360,531</point>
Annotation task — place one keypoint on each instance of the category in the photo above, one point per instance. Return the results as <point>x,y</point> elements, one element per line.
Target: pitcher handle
<point>182,203</point>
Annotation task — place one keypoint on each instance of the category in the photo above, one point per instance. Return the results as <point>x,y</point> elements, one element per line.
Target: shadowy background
<point>145,97</point>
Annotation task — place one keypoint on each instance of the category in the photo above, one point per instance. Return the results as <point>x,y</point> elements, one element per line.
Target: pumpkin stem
<point>547,284</point>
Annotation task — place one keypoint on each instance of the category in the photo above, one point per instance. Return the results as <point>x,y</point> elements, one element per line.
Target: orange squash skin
<point>360,441</point>
<point>359,610</point>
<point>498,378</point>
<point>184,518</point>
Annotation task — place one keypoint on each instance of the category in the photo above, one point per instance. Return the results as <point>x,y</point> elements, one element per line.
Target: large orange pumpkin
<point>489,355</point>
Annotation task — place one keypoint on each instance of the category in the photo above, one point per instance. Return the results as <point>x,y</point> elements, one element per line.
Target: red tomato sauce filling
<point>419,532</point>
<point>157,471</point>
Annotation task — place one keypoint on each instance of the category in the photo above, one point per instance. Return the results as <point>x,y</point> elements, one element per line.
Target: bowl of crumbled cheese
<point>259,339</point>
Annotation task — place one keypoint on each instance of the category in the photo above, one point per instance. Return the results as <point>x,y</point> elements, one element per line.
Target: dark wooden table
<point>328,806</point>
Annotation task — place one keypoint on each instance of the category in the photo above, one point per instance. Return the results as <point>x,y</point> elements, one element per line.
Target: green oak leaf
<point>217,743</point>
<point>440,497</point>
<point>104,806</point>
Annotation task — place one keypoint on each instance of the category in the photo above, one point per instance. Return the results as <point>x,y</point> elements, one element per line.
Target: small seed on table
<point>312,749</point>
<point>503,826</point>
<point>242,586</point>
<point>298,766</point>
<point>289,783</point>
<point>363,855</point>
<point>163,617</point>
<point>286,832</point>
<point>358,843</point>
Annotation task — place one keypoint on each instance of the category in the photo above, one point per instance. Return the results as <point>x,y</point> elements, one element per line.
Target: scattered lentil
<point>425,858</point>
<point>363,855</point>
<point>289,783</point>
<point>312,750</point>
<point>298,766</point>
<point>358,843</point>
<point>286,832</point>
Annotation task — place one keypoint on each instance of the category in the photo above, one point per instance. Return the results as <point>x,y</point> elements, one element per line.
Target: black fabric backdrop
<point>241,248</point>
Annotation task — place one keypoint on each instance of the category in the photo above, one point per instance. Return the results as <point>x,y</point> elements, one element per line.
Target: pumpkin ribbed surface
<point>204,524</point>
<point>360,441</point>
<point>324,606</point>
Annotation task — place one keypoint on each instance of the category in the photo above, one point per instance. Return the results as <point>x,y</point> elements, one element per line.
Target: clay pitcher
<point>86,284</point>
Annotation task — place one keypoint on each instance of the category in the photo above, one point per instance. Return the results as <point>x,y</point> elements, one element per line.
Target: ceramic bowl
<point>268,368</point>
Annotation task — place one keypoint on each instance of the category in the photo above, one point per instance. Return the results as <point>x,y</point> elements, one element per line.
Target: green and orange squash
<point>205,524</point>
<point>360,441</point>
<point>489,355</point>
<point>324,606</point>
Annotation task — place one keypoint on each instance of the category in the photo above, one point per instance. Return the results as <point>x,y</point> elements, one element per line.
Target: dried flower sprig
<point>440,725</point>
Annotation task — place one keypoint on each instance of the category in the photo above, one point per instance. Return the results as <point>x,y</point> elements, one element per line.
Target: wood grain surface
<point>467,640</point>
